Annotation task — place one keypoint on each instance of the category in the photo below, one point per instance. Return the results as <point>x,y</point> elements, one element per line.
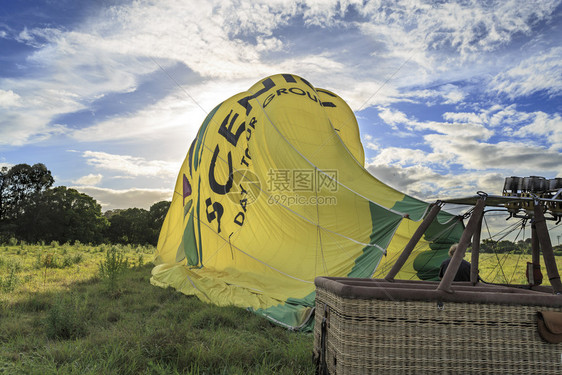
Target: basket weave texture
<point>377,336</point>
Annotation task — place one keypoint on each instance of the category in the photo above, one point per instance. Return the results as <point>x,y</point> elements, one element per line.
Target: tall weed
<point>67,318</point>
<point>10,281</point>
<point>51,260</point>
<point>111,267</point>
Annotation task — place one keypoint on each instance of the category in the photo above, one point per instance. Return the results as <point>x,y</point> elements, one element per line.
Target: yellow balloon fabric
<point>273,193</point>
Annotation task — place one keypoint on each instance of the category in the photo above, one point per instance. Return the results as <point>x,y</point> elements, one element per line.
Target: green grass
<point>509,268</point>
<point>91,310</point>
<point>67,319</point>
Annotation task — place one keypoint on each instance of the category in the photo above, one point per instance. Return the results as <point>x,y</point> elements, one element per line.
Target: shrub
<point>66,261</point>
<point>77,258</point>
<point>140,260</point>
<point>9,282</point>
<point>49,260</point>
<point>67,318</point>
<point>12,241</point>
<point>112,266</point>
<point>70,260</point>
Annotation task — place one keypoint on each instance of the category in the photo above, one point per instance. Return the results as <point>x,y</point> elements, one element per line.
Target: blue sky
<point>451,97</point>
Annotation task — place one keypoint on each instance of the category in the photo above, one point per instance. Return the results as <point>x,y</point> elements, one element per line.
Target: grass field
<point>58,316</point>
<point>508,268</point>
<point>61,314</point>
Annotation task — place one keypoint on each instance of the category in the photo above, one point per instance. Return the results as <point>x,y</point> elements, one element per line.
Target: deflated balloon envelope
<point>273,193</point>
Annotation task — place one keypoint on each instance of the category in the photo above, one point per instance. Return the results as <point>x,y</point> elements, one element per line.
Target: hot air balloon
<point>273,193</point>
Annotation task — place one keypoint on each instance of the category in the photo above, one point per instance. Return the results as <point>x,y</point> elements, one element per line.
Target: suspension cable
<point>520,253</point>
<point>499,263</point>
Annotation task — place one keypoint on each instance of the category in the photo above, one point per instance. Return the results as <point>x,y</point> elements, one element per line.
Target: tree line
<point>32,210</point>
<point>518,247</point>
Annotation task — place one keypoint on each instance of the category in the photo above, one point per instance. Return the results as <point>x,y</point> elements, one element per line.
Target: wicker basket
<point>370,326</point>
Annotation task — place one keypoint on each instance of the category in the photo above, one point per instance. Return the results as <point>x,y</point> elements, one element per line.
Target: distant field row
<point>508,268</point>
<point>27,269</point>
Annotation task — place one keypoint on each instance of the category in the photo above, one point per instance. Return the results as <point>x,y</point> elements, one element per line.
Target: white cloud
<point>9,99</point>
<point>326,12</point>
<point>451,93</point>
<point>131,165</point>
<point>174,119</point>
<point>445,94</point>
<point>463,117</point>
<point>372,146</point>
<point>426,184</point>
<point>18,129</point>
<point>392,117</point>
<point>108,54</point>
<point>547,127</point>
<point>401,157</point>
<point>535,73</point>
<point>174,116</point>
<point>461,125</point>
<point>268,44</point>
<point>530,127</point>
<point>232,41</point>
<point>515,156</point>
<point>498,116</point>
<point>480,25</point>
<point>91,179</point>
<point>111,199</point>
<point>361,93</point>
<point>461,142</point>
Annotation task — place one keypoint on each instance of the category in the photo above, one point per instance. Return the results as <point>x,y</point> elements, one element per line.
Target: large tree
<point>19,186</point>
<point>158,213</point>
<point>130,226</point>
<point>64,215</point>
<point>136,225</point>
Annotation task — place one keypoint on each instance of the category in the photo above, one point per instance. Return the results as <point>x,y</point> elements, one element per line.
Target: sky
<point>451,97</point>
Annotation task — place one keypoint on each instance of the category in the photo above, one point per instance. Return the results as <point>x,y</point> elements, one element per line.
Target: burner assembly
<point>527,190</point>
